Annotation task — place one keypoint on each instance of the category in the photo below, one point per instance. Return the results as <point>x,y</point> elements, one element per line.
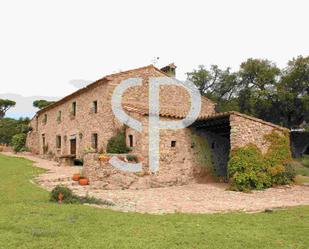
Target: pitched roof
<point>166,111</point>
<point>93,85</point>
<point>173,112</point>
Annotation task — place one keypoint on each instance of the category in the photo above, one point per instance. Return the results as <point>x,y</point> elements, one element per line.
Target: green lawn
<point>29,220</point>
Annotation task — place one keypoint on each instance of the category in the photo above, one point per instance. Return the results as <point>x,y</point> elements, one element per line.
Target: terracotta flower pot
<point>76,177</point>
<point>104,158</point>
<point>140,159</point>
<point>83,181</point>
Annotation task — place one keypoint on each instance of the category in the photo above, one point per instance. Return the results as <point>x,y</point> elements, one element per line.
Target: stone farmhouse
<point>65,129</point>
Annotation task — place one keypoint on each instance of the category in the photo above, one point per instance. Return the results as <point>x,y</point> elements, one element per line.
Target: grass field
<point>29,220</point>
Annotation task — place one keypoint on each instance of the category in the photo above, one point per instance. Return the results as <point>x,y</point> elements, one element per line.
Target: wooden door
<point>73,146</point>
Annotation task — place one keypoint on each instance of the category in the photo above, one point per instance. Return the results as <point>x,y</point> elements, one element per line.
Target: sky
<point>50,48</point>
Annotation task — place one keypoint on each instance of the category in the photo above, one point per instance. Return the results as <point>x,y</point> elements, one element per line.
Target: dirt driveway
<point>194,198</point>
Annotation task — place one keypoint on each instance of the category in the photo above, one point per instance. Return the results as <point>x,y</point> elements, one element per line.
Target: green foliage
<point>117,144</point>
<point>259,88</point>
<point>249,169</point>
<point>132,158</point>
<point>5,105</point>
<point>68,197</point>
<point>41,104</point>
<point>203,153</point>
<point>67,194</point>
<point>10,127</point>
<point>305,160</point>
<point>19,142</point>
<point>278,157</point>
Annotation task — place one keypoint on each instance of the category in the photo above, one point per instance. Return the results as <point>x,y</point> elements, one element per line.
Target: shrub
<point>117,144</point>
<point>19,142</point>
<point>67,194</point>
<point>69,198</point>
<point>249,169</point>
<point>285,176</point>
<point>132,158</point>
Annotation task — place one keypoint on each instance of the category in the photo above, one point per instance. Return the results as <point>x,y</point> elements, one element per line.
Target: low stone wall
<point>106,176</point>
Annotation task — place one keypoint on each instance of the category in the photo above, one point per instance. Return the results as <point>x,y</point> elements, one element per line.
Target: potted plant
<point>76,177</point>
<point>104,158</point>
<point>83,181</point>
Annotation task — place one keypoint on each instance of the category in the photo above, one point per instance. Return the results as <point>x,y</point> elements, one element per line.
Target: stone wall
<point>103,123</point>
<point>250,130</point>
<point>178,165</point>
<point>32,142</point>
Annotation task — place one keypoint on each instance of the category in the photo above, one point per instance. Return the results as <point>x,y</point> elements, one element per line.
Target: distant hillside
<point>23,106</point>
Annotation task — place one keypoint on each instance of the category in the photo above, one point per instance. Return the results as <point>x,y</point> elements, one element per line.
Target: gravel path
<point>194,198</point>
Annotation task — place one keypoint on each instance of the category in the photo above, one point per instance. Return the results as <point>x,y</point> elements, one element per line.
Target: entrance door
<point>73,146</point>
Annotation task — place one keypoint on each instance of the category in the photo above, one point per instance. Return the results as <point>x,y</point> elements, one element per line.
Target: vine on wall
<point>203,153</point>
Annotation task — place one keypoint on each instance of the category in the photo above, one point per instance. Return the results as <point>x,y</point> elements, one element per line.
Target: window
<point>58,142</point>
<point>44,146</point>
<point>95,106</point>
<point>173,144</point>
<point>45,119</point>
<point>94,141</point>
<point>74,109</point>
<point>131,140</point>
<point>59,116</point>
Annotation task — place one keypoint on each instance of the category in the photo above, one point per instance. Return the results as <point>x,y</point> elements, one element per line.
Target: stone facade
<point>246,130</point>
<point>66,128</point>
<point>58,120</point>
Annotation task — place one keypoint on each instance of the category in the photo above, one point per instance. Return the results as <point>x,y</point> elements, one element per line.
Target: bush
<point>132,158</point>
<point>249,169</point>
<point>285,176</point>
<point>19,142</point>
<point>10,127</point>
<point>117,144</point>
<point>69,198</point>
<point>67,194</point>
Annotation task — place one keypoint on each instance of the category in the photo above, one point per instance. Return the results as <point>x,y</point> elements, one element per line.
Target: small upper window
<point>94,141</point>
<point>213,144</point>
<point>95,106</point>
<point>45,118</point>
<point>131,140</point>
<point>173,144</point>
<point>58,142</point>
<point>59,116</point>
<point>74,108</point>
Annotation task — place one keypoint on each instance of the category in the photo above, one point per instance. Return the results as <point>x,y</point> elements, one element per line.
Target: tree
<point>10,127</point>
<point>293,93</point>
<point>215,83</point>
<point>5,105</point>
<point>257,84</point>
<point>41,104</point>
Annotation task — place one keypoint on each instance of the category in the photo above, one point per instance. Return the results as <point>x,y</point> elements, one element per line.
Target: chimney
<point>170,70</point>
